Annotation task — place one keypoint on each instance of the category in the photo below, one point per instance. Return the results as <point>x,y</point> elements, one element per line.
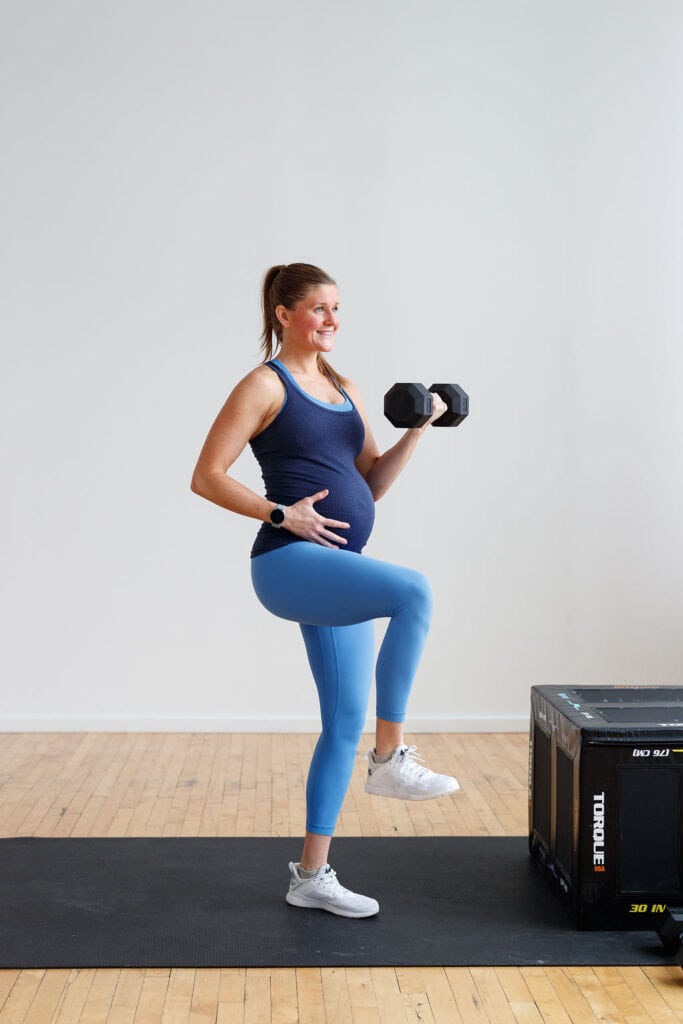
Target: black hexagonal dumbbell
<point>410,405</point>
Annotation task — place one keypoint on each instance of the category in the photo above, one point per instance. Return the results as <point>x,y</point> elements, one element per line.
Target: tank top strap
<point>292,389</point>
<point>283,374</point>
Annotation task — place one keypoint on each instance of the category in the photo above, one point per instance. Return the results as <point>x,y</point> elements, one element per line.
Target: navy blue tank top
<point>309,446</point>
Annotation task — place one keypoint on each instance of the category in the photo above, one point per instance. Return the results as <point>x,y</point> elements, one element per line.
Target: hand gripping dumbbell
<point>410,405</point>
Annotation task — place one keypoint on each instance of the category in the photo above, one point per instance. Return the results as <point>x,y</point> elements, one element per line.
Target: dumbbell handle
<point>458,402</point>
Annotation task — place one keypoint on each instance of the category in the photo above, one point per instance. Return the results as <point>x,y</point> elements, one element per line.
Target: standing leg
<point>341,659</point>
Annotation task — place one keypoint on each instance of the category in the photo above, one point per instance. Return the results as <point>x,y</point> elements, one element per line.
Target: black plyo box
<point>606,799</point>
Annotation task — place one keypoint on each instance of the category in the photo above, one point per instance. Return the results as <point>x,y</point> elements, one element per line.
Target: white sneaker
<point>323,892</point>
<point>401,776</point>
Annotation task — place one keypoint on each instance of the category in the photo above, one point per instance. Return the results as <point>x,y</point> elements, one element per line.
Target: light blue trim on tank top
<point>345,406</point>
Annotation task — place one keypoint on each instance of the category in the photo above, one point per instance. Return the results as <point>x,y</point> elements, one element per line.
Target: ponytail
<point>271,324</point>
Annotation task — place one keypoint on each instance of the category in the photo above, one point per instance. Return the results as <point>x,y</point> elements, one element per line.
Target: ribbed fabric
<point>308,447</point>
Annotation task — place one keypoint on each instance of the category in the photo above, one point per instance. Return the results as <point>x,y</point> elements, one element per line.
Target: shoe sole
<point>380,791</point>
<point>302,901</point>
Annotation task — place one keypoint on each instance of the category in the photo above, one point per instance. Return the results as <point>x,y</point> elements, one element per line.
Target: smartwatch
<point>277,516</point>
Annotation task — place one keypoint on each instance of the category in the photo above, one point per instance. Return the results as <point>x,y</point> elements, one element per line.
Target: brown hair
<point>285,285</point>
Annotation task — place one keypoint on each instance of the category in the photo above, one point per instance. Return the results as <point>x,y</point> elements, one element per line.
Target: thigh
<point>308,583</point>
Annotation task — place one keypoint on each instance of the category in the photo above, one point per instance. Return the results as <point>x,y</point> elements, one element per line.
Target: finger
<point>318,497</point>
<point>327,535</point>
<point>328,540</point>
<point>439,407</point>
<point>336,525</point>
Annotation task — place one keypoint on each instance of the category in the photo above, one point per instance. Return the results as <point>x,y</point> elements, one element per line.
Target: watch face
<point>277,517</point>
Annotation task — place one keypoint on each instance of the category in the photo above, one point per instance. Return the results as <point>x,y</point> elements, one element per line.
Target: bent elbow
<point>196,485</point>
<point>375,488</point>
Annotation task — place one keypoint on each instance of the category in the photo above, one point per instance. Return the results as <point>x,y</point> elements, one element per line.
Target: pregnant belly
<point>357,509</point>
<point>349,501</point>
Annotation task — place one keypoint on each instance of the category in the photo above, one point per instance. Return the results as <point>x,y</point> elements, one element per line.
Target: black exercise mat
<point>220,903</point>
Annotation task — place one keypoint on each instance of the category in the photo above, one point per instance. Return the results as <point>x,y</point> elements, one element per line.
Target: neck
<point>299,362</point>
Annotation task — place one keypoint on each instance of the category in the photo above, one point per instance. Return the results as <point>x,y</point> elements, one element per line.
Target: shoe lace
<point>409,766</point>
<point>329,878</point>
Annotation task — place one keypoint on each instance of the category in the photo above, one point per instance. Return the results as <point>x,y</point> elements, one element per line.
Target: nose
<point>331,318</point>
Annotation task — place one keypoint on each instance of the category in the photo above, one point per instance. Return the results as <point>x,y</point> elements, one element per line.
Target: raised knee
<point>420,593</point>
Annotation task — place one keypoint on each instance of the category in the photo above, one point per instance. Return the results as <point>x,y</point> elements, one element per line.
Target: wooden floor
<point>252,785</point>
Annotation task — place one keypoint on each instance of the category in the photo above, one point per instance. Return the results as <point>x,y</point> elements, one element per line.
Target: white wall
<point>496,186</point>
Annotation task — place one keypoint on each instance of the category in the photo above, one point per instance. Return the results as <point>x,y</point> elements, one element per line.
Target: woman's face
<point>314,321</point>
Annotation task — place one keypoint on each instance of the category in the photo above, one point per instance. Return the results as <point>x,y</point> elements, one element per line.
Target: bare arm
<point>381,470</point>
<point>248,410</point>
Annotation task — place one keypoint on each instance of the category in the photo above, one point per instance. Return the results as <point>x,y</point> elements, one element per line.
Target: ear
<point>282,314</point>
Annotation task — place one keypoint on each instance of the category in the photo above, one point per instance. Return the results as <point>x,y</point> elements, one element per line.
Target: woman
<point>323,473</point>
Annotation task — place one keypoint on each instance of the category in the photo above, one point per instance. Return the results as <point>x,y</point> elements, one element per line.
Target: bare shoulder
<point>260,389</point>
<point>263,381</point>
<point>254,399</point>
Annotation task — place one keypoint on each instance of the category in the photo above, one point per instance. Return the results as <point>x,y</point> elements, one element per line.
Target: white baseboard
<point>253,723</point>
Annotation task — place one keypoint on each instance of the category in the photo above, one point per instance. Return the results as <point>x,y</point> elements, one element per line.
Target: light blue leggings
<point>334,595</point>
